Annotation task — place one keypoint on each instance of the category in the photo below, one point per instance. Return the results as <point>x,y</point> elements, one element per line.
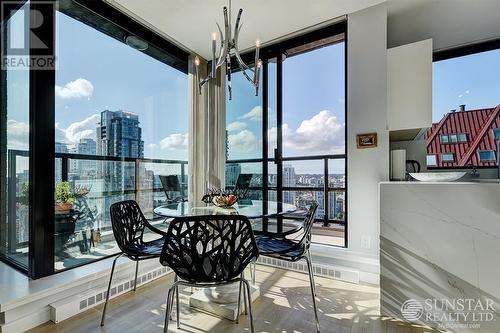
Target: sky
<point>313,110</point>
<point>473,80</point>
<point>96,72</point>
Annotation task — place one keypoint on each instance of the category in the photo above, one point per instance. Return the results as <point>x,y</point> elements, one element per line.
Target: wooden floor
<point>284,307</point>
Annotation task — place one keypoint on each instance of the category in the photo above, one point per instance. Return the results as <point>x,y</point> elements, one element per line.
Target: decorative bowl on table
<point>224,201</point>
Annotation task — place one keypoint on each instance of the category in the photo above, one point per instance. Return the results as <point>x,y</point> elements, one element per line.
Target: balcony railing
<point>329,190</point>
<point>108,178</point>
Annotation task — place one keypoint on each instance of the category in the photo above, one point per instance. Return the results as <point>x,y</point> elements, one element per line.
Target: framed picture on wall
<point>368,140</point>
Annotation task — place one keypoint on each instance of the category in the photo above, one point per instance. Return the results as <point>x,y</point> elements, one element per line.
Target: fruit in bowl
<point>225,200</point>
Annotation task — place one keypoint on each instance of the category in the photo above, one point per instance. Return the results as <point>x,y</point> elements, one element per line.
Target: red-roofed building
<point>464,138</point>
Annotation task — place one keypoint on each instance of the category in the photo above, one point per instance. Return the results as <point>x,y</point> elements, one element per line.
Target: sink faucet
<point>473,173</point>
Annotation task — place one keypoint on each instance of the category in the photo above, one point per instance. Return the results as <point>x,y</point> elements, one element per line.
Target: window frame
<point>456,52</point>
<point>496,130</point>
<point>427,160</point>
<point>492,152</point>
<point>445,159</point>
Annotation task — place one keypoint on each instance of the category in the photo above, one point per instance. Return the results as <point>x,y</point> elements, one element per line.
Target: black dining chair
<point>207,251</point>
<point>279,246</point>
<point>172,186</point>
<point>128,223</point>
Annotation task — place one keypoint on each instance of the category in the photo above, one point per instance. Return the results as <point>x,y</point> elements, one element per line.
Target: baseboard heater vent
<point>337,273</point>
<point>70,306</point>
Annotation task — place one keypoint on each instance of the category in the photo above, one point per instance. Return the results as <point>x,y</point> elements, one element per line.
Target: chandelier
<point>228,44</point>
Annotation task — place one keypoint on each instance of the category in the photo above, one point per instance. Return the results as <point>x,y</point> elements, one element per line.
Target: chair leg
<point>253,274</point>
<point>314,284</point>
<point>169,307</point>
<point>239,302</point>
<point>245,296</point>
<point>177,303</point>
<point>313,288</point>
<point>247,285</point>
<point>109,288</point>
<point>136,271</point>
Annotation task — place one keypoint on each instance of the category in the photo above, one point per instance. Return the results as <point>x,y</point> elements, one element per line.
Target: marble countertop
<point>481,182</point>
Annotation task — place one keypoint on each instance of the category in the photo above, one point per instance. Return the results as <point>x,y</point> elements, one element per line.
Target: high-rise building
<point>232,172</point>
<point>119,134</point>
<point>289,180</point>
<point>86,147</point>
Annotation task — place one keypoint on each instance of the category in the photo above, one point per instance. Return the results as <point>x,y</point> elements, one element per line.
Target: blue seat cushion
<point>280,248</point>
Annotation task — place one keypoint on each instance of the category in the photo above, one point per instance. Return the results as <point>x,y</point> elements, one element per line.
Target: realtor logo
<point>450,314</point>
<point>412,310</point>
<point>28,35</point>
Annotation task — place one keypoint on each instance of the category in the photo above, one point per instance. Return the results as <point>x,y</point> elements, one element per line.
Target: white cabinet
<point>409,86</point>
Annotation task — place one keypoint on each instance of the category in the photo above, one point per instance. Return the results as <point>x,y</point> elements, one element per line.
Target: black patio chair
<point>279,246</point>
<point>242,184</point>
<point>129,224</point>
<point>172,186</point>
<point>207,251</point>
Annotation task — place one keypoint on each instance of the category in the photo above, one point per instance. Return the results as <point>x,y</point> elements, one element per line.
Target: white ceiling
<point>190,23</point>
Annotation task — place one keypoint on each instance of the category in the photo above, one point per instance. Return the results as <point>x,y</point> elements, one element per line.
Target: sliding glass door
<point>302,117</point>
<point>311,149</point>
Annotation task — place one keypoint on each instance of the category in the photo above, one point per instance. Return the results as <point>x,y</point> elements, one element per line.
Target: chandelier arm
<point>242,64</point>
<point>221,37</point>
<point>225,48</point>
<point>244,71</point>
<point>205,80</point>
<point>228,72</point>
<point>237,26</point>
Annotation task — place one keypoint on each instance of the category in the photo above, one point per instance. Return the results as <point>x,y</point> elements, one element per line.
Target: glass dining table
<point>252,209</point>
<point>221,300</point>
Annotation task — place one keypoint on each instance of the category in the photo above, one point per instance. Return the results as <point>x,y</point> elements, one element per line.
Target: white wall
<point>366,112</point>
<point>449,23</point>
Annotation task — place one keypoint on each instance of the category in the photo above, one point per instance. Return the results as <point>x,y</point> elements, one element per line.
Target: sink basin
<point>438,176</point>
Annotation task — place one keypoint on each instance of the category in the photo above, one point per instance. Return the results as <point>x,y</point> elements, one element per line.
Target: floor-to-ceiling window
<point>121,121</point>
<point>110,117</point>
<point>293,134</point>
<point>244,135</point>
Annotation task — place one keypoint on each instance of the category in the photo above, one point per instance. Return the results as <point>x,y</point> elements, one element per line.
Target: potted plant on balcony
<point>64,198</point>
<point>24,199</point>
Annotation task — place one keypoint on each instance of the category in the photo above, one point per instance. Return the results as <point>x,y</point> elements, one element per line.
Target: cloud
<point>236,126</point>
<point>75,89</point>
<point>243,141</point>
<point>320,134</point>
<point>254,114</point>
<point>78,130</point>
<point>176,141</point>
<point>18,134</point>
